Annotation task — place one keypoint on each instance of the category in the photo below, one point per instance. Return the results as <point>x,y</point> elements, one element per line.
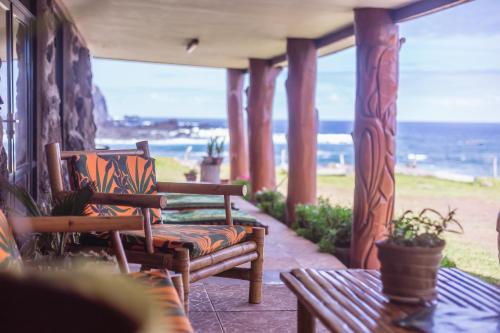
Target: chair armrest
<point>75,223</point>
<point>131,200</point>
<point>201,188</point>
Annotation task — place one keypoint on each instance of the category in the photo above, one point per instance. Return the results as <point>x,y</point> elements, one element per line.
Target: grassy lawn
<point>477,206</point>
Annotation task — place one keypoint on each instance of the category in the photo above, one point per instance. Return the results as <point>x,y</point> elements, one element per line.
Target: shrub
<point>327,225</point>
<point>272,203</point>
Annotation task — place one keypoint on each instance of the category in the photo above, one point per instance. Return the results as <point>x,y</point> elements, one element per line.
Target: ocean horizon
<point>459,148</point>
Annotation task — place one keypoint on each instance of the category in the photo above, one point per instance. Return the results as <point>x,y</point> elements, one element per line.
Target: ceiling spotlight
<point>192,45</point>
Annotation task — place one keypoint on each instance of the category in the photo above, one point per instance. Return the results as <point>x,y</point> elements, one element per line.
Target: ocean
<point>465,149</point>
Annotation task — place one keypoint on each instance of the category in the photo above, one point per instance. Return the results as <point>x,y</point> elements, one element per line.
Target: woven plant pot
<point>409,274</point>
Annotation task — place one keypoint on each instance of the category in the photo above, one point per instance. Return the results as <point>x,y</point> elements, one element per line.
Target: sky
<point>449,72</point>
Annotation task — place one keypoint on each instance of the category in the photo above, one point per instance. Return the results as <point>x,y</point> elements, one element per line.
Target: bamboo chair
<point>166,289</point>
<point>220,262</point>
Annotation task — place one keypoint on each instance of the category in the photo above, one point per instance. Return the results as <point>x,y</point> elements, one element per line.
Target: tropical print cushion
<point>161,287</point>
<point>120,174</point>
<point>199,239</point>
<point>210,217</point>
<point>9,252</point>
<point>190,201</point>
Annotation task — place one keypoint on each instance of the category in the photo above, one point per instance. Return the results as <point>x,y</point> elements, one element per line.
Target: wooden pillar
<point>377,47</point>
<point>238,149</point>
<point>260,125</point>
<point>302,123</point>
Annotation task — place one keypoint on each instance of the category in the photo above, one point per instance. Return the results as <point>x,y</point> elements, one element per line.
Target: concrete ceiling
<point>229,31</point>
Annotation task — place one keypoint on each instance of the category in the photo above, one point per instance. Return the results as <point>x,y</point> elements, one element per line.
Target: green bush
<point>272,203</point>
<point>327,225</point>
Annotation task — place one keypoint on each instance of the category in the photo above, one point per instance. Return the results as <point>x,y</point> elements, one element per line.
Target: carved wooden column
<point>238,148</point>
<point>302,123</point>
<point>260,125</point>
<point>374,131</point>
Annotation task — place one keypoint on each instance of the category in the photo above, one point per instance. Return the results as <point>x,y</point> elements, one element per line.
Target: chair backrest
<point>10,258</point>
<point>130,171</point>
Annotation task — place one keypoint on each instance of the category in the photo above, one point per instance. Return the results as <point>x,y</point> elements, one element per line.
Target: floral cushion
<point>161,287</point>
<point>199,239</point>
<point>211,217</point>
<point>116,174</point>
<point>9,252</point>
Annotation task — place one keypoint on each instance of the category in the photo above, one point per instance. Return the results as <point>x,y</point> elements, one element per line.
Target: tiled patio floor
<point>221,305</point>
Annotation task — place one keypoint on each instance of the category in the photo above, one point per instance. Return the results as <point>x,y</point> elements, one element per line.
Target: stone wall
<point>78,120</point>
<point>75,127</point>
<point>48,97</point>
<point>73,124</point>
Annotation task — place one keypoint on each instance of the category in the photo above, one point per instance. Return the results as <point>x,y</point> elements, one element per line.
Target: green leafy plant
<point>212,142</point>
<point>326,224</point>
<point>219,146</point>
<point>423,229</point>
<point>41,244</point>
<point>272,203</point>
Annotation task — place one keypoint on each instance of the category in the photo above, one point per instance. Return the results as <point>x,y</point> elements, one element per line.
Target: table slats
<point>351,300</point>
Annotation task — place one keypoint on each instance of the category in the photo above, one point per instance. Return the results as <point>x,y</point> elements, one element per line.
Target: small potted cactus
<point>210,165</point>
<point>411,256</point>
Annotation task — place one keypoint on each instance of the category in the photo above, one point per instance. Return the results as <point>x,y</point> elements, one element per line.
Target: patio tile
<point>198,299</point>
<point>205,322</point>
<point>235,298</point>
<point>268,321</point>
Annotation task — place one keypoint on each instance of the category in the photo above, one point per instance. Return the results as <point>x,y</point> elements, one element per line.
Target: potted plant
<point>210,165</point>
<point>48,246</point>
<point>410,257</point>
<point>191,175</point>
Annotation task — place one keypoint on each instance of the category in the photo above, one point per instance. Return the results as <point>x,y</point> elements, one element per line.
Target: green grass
<point>169,169</point>
<point>473,259</point>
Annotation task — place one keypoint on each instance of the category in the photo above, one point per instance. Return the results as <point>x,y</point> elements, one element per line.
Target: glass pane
<point>20,92</point>
<point>3,76</point>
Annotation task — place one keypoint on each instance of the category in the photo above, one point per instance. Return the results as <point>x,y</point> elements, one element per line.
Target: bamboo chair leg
<point>305,320</point>
<point>256,268</point>
<point>179,286</point>
<point>119,252</point>
<point>181,266</point>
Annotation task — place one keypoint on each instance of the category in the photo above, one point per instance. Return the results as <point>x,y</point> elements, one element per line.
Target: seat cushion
<point>120,174</point>
<point>194,201</point>
<point>9,252</point>
<point>210,217</point>
<point>199,239</point>
<point>161,287</point>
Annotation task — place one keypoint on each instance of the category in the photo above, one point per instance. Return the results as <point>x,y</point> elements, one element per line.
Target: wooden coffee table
<point>351,300</point>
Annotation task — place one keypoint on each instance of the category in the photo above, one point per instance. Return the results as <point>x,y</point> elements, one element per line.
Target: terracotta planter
<point>409,274</point>
<point>343,254</point>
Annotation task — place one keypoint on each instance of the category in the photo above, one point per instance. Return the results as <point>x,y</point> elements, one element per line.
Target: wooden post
<point>238,148</point>
<point>260,124</point>
<point>302,123</point>
<point>374,131</point>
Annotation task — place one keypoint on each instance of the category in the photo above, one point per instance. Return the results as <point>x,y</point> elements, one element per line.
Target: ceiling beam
<point>422,8</point>
<point>405,13</point>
